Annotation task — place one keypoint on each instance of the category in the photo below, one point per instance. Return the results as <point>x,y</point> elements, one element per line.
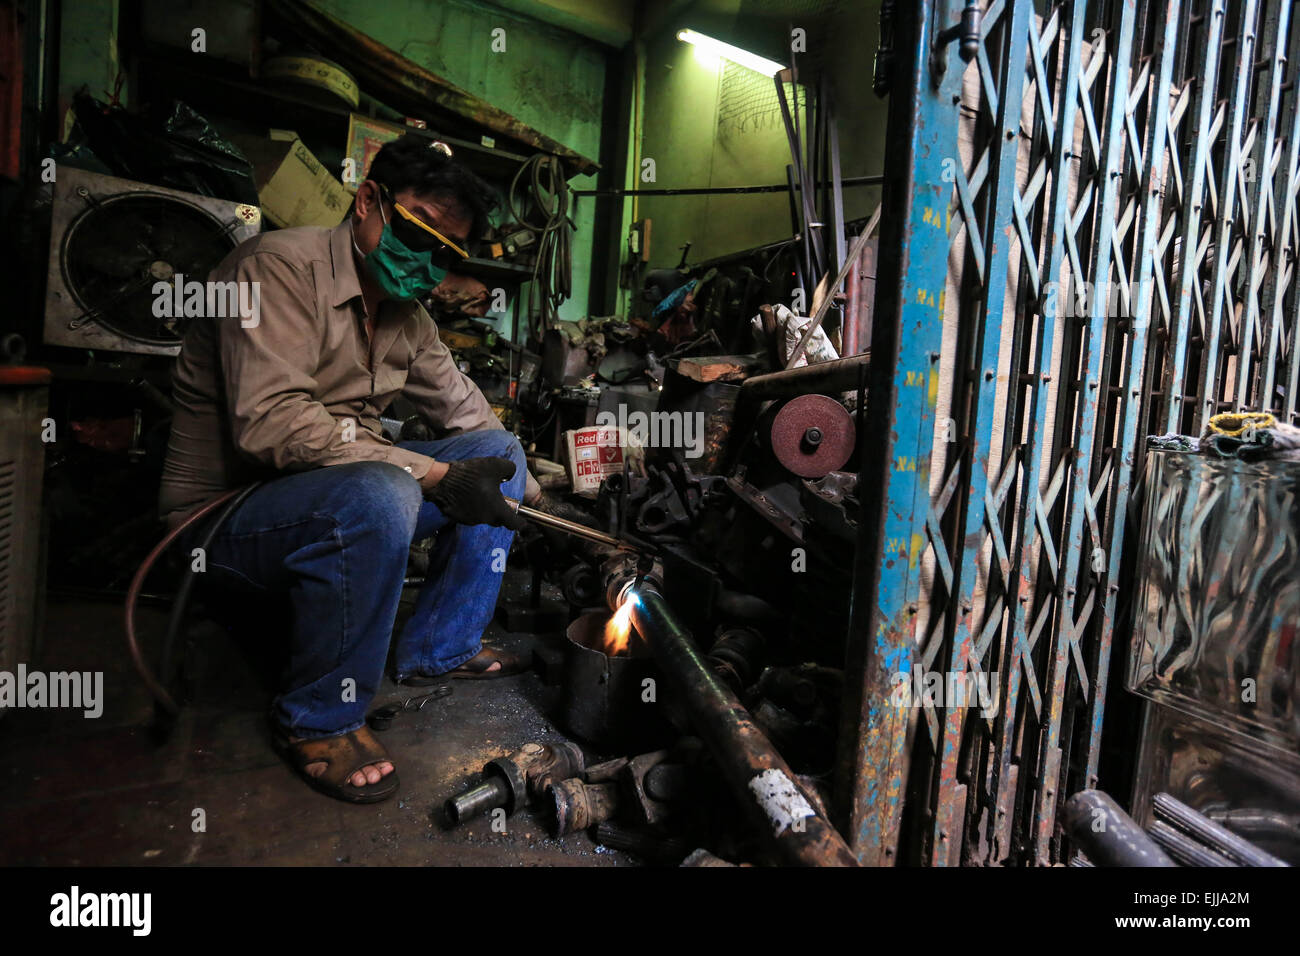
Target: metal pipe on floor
<point>1107,835</point>
<point>1183,849</point>
<point>1201,828</point>
<point>761,779</point>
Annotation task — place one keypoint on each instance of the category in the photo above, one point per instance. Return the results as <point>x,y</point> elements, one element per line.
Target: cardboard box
<point>292,185</point>
<point>593,453</point>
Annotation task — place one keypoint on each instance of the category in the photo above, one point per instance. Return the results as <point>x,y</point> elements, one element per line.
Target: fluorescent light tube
<point>733,53</point>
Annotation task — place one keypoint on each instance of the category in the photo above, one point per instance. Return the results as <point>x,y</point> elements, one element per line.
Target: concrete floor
<point>76,791</point>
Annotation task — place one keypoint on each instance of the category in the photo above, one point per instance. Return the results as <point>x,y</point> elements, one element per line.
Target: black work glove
<point>470,493</point>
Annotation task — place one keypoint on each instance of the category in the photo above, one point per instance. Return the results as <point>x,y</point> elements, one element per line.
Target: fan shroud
<point>112,240</point>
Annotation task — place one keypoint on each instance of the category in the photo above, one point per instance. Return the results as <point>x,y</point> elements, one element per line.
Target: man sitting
<point>294,399</point>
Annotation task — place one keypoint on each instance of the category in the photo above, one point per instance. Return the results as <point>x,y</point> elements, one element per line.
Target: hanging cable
<point>548,191</point>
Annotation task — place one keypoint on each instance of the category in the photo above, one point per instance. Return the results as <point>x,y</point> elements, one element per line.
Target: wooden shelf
<point>222,90</point>
<point>494,270</point>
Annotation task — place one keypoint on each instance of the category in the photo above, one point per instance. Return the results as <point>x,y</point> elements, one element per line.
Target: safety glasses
<point>419,236</point>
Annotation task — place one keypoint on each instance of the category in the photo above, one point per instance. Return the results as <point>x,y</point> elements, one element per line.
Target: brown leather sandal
<point>476,668</point>
<point>344,755</point>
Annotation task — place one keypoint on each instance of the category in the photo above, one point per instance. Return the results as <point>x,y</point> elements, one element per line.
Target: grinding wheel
<point>813,435</point>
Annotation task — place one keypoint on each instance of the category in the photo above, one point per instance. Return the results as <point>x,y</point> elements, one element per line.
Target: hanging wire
<point>548,191</point>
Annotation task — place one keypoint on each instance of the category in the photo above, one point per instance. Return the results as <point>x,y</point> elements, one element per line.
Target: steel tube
<point>761,779</point>
<point>837,375</point>
<point>858,245</point>
<point>1201,828</point>
<point>581,530</point>
<point>486,796</point>
<point>1108,835</point>
<point>1184,849</point>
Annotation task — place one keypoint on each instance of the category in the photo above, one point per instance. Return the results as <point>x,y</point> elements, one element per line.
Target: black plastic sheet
<point>168,145</point>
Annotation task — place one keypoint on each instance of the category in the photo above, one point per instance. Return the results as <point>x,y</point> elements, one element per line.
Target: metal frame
<point>1149,148</point>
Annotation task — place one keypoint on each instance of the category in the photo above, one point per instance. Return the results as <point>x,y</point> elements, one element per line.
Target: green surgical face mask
<point>399,271</point>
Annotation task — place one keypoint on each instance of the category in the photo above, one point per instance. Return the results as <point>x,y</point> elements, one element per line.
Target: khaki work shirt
<point>305,386</point>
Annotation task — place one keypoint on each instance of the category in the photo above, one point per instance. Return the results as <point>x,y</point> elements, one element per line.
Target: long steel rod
<point>1108,835</point>
<point>724,190</point>
<point>858,245</point>
<point>581,530</point>
<point>1201,828</point>
<point>762,781</point>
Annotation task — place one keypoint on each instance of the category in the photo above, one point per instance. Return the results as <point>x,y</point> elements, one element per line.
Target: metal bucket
<point>607,700</point>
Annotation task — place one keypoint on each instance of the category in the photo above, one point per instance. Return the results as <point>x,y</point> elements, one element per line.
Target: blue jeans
<point>336,540</point>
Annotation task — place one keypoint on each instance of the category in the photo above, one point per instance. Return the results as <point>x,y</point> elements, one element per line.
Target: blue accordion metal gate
<point>1090,235</point>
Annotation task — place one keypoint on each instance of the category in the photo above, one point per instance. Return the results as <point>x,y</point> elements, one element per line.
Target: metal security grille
<point>1090,235</point>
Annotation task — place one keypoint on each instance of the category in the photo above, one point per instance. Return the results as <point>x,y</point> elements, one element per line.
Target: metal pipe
<point>859,244</point>
<point>1201,828</point>
<point>765,785</point>
<point>1185,850</point>
<point>581,530</point>
<point>1108,835</point>
<point>849,328</point>
<point>837,375</point>
<point>486,796</point>
<point>725,190</point>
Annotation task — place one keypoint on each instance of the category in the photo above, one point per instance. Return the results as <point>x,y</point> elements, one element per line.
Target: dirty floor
<point>78,791</point>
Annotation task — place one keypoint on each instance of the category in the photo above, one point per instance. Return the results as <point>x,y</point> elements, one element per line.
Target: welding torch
<point>580,530</point>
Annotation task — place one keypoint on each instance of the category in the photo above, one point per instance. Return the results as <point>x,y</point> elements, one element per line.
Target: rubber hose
<point>155,687</point>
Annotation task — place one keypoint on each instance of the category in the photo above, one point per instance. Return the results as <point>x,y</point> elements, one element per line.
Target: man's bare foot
<point>372,773</point>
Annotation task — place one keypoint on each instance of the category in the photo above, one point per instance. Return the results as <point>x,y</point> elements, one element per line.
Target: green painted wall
<point>549,78</point>
<point>708,123</point>
<point>690,146</point>
<point>87,50</point>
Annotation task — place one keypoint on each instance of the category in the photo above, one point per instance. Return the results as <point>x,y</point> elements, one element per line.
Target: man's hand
<point>469,491</point>
<point>457,293</point>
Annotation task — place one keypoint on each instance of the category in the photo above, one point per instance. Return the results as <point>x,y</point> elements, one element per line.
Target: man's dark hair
<point>411,162</point>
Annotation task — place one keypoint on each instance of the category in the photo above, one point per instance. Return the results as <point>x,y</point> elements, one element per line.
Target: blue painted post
<point>900,431</point>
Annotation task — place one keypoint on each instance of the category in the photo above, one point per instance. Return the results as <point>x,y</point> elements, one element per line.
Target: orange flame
<point>618,630</point>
